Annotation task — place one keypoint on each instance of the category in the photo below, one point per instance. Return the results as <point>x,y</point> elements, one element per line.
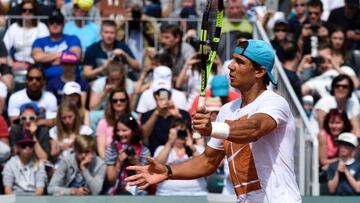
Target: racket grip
<point>201,102</point>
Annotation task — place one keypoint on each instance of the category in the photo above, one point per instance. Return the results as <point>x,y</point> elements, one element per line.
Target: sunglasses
<point>26,145</point>
<point>25,10</point>
<point>279,30</point>
<point>27,118</point>
<point>300,4</point>
<point>342,86</point>
<point>38,79</point>
<point>115,101</point>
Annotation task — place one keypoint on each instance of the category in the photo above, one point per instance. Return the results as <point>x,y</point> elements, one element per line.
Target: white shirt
<point>47,103</point>
<point>273,154</point>
<point>21,39</point>
<point>147,101</point>
<point>3,89</point>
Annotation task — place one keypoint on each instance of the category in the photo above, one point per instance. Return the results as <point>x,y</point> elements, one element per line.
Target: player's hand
<point>147,175</point>
<point>201,121</point>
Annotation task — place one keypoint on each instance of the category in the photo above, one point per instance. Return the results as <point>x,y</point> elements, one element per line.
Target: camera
<point>318,60</point>
<point>130,151</point>
<point>181,134</point>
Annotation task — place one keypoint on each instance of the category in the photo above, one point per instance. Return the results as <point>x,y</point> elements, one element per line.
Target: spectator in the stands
<point>68,127</point>
<point>342,98</point>
<point>183,4</point>
<point>344,174</point>
<point>72,93</point>
<point>24,174</point>
<point>125,149</point>
<point>68,62</point>
<point>179,148</point>
<point>80,173</point>
<point>99,54</point>
<point>162,75</point>
<point>118,103</point>
<point>5,150</point>
<point>348,18</point>
<point>282,34</point>
<point>67,8</point>
<point>20,36</point>
<point>6,75</point>
<point>235,10</point>
<point>297,19</point>
<point>28,123</point>
<point>34,92</point>
<point>338,46</point>
<point>172,44</point>
<point>335,123</point>
<point>86,31</point>
<point>48,50</point>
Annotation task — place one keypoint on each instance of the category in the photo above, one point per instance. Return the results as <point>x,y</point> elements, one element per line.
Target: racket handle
<point>201,102</point>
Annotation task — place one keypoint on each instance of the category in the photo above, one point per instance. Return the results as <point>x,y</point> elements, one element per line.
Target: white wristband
<point>220,130</point>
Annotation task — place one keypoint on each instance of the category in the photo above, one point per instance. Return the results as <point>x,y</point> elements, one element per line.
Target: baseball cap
<point>260,52</point>
<point>71,88</point>
<point>68,57</point>
<point>84,5</point>
<point>348,138</point>
<point>25,138</point>
<point>281,21</point>
<point>56,16</point>
<point>353,3</point>
<point>213,104</point>
<point>162,77</point>
<point>29,105</point>
<point>220,86</point>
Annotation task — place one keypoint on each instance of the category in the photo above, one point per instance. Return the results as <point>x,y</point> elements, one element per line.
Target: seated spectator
<point>344,174</point>
<point>162,76</point>
<point>68,10</point>
<point>338,46</point>
<point>48,50</point>
<point>34,93</point>
<point>3,96</point>
<point>282,34</point>
<point>235,10</point>
<point>101,53</point>
<point>24,174</point>
<point>68,62</point>
<point>341,98</point>
<point>125,149</point>
<point>219,87</point>
<point>6,75</point>
<point>117,104</point>
<point>86,31</point>
<point>21,35</point>
<point>5,150</point>
<point>335,123</point>
<point>80,173</point>
<point>297,19</point>
<point>28,123</point>
<point>71,92</point>
<point>179,148</point>
<point>183,4</point>
<point>68,127</point>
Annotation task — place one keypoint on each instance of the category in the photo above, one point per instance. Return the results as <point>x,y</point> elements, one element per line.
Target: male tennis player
<point>256,133</point>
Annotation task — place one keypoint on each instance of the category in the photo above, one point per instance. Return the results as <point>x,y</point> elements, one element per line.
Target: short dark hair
<point>36,67</point>
<point>290,50</point>
<point>316,3</point>
<point>340,78</point>
<point>108,23</point>
<point>337,113</point>
<point>173,29</point>
<point>164,59</point>
<point>266,79</point>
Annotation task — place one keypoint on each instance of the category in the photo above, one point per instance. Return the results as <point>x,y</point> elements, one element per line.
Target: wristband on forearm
<point>220,130</point>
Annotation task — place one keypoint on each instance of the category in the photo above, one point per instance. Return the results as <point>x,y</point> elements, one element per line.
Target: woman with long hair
<point>338,46</point>
<point>118,103</point>
<point>68,126</point>
<point>335,123</point>
<point>125,149</point>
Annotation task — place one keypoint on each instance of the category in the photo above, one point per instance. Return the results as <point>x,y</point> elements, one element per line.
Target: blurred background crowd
<point>90,87</point>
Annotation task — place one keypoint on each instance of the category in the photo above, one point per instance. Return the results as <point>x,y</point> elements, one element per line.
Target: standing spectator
<point>344,174</point>
<point>23,174</point>
<point>21,35</point>
<point>68,62</point>
<point>86,31</point>
<point>118,104</point>
<point>172,44</point>
<point>80,173</point>
<point>68,127</point>
<point>28,123</point>
<point>179,148</point>
<point>48,50</point>
<point>125,149</point>
<point>335,123</point>
<point>99,54</point>
<point>34,93</point>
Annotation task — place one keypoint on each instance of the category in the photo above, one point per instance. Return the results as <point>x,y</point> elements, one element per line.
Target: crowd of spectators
<point>83,95</point>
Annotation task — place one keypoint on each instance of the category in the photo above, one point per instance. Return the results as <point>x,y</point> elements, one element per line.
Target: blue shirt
<point>88,34</point>
<point>47,45</point>
<point>56,85</point>
<point>344,187</point>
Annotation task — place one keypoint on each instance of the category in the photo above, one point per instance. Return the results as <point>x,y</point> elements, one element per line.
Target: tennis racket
<point>209,35</point>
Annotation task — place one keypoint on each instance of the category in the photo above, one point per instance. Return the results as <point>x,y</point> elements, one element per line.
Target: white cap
<point>71,88</point>
<point>348,138</point>
<point>162,77</point>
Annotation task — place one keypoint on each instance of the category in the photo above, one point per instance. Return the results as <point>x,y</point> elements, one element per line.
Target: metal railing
<point>307,149</point>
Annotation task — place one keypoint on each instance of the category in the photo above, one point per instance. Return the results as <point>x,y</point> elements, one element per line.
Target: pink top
<point>105,131</point>
<point>332,148</point>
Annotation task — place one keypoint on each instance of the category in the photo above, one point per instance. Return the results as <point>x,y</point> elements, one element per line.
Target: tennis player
<point>256,133</point>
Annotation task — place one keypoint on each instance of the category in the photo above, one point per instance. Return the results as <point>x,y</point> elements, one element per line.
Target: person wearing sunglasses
<point>24,174</point>
<point>34,92</point>
<point>281,34</point>
<point>27,122</point>
<point>297,18</point>
<point>48,50</point>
